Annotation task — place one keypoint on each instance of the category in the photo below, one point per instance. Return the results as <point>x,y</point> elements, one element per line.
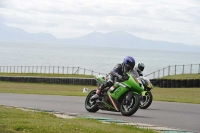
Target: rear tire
<point>146,100</point>
<point>90,105</point>
<point>128,109</point>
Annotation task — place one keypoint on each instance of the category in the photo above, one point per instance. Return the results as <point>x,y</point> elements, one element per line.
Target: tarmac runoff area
<point>160,129</point>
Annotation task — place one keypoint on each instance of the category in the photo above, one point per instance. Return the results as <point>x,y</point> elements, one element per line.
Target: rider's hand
<point>125,77</point>
<point>120,77</point>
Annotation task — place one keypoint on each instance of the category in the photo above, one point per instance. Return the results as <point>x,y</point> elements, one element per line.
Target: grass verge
<point>184,95</point>
<point>44,89</point>
<point>19,121</point>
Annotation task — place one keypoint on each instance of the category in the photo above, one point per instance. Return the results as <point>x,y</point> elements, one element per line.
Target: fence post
<point>191,69</point>
<point>14,69</point>
<point>53,69</point>
<point>58,69</point>
<point>7,69</point>
<point>168,70</point>
<point>63,70</point>
<point>10,69</point>
<point>183,69</point>
<point>175,69</point>
<point>199,68</point>
<point>17,69</point>
<point>84,71</point>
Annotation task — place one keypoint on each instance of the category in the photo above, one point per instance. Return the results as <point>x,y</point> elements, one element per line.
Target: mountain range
<point>112,39</point>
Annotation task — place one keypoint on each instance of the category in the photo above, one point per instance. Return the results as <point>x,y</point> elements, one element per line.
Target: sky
<point>167,20</point>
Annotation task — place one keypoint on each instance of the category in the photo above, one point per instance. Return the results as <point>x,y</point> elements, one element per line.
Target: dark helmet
<point>129,62</point>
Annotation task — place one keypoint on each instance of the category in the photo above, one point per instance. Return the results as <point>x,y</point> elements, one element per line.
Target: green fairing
<point>109,106</point>
<point>131,83</point>
<point>118,92</point>
<point>144,93</point>
<point>100,79</point>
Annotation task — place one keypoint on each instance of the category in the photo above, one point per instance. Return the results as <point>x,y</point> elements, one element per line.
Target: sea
<point>96,58</point>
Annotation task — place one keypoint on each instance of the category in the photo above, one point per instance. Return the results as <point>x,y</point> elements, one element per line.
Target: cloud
<point>156,19</point>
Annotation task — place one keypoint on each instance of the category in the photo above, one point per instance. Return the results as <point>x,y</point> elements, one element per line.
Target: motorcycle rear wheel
<point>128,109</point>
<point>146,100</point>
<point>90,105</point>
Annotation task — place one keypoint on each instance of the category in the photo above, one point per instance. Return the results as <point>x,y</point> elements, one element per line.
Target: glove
<point>119,77</point>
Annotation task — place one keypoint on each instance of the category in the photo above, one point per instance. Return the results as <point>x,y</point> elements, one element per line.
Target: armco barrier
<point>75,81</point>
<point>172,83</point>
<point>169,83</point>
<point>184,83</point>
<point>196,83</point>
<point>178,83</point>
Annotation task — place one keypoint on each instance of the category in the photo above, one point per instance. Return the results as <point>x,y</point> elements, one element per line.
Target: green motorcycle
<point>122,97</point>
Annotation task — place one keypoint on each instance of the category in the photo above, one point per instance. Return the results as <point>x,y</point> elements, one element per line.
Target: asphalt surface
<point>168,114</point>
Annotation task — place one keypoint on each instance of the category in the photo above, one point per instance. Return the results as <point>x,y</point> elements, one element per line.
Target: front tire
<point>146,100</point>
<point>130,107</point>
<point>90,105</point>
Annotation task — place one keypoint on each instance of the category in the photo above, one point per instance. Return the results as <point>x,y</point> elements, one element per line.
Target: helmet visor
<point>141,68</point>
<point>130,65</point>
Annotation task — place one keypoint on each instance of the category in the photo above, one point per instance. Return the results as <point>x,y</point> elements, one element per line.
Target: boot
<point>98,92</point>
<point>96,96</point>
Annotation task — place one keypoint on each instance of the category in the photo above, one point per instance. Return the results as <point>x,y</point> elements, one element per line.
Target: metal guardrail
<point>174,70</point>
<point>47,70</point>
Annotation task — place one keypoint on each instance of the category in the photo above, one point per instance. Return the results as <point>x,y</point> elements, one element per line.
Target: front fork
<point>143,97</point>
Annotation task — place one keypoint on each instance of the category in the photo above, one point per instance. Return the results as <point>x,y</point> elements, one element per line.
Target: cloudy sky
<point>167,20</point>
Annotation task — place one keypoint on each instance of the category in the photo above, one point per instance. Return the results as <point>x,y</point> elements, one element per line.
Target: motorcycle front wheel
<point>129,106</point>
<point>146,100</point>
<point>90,105</point>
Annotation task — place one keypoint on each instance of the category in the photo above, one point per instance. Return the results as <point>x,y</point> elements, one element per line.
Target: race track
<point>168,114</point>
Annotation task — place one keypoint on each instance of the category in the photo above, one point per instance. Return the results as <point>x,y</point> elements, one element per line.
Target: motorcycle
<point>147,98</point>
<point>122,97</point>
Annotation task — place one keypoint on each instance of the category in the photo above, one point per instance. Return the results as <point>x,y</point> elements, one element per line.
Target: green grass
<point>19,121</point>
<point>183,76</point>
<point>47,75</point>
<point>44,89</point>
<point>186,95</point>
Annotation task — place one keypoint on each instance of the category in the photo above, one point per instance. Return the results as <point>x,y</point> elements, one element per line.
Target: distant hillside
<point>11,34</point>
<point>113,39</point>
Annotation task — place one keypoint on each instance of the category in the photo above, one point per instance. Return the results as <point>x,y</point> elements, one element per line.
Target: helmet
<point>140,66</point>
<point>129,62</point>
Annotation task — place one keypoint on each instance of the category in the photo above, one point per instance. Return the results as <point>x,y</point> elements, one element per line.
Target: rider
<point>118,72</point>
<point>137,71</point>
